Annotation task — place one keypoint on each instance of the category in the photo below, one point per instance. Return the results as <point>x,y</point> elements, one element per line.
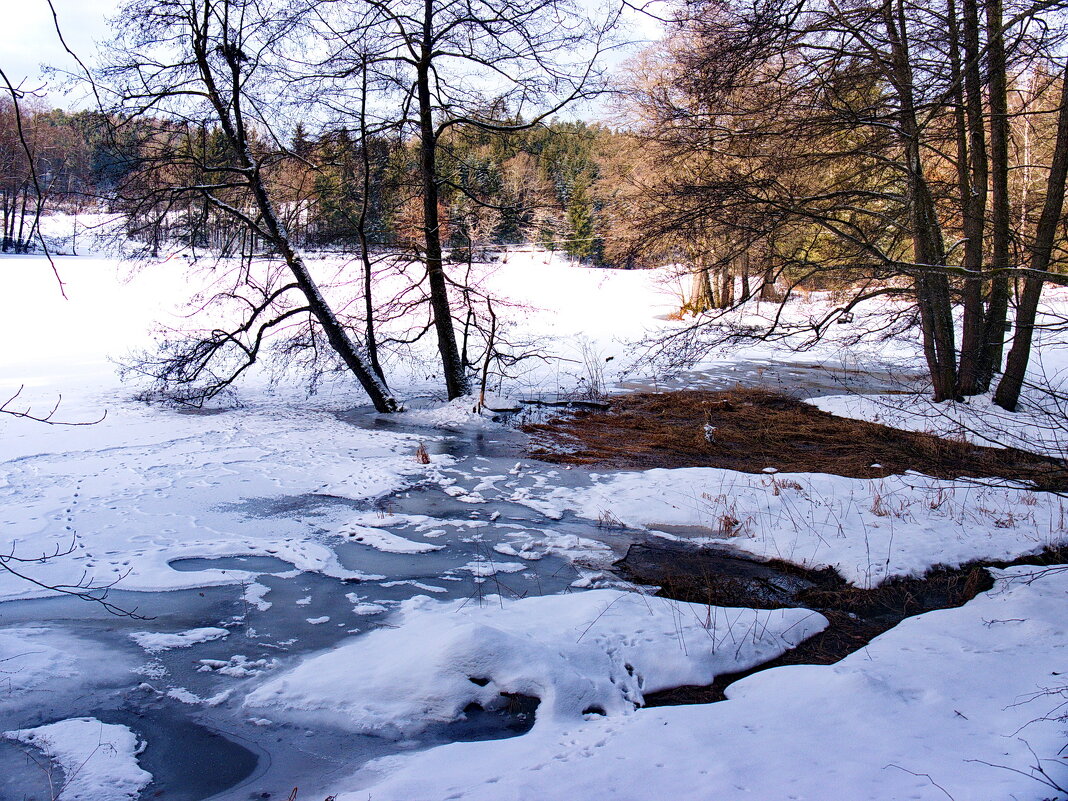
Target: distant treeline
<point>333,185</point>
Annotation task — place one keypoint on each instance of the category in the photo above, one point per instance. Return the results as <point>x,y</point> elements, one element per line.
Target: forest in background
<point>883,149</point>
<point>534,186</point>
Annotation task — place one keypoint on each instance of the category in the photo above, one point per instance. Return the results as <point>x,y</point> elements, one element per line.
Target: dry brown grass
<point>855,615</point>
<point>756,429</point>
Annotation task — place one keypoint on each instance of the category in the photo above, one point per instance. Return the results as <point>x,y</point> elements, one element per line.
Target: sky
<point>28,39</point>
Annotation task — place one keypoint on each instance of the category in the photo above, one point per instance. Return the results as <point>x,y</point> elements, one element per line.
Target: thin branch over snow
<point>49,417</point>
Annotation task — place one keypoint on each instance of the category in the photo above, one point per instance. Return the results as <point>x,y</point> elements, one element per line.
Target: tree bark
<point>726,287</point>
<point>1000,222</point>
<point>932,290</point>
<point>456,383</point>
<point>701,295</point>
<point>1008,391</point>
<point>972,168</point>
<point>746,291</point>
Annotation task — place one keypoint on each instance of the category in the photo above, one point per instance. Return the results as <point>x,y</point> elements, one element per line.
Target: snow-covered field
<point>335,600</point>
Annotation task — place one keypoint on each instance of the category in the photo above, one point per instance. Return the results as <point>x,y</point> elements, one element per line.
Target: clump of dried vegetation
<point>756,429</point>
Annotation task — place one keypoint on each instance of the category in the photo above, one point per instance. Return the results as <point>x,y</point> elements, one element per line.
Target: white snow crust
<point>98,760</point>
<point>154,642</point>
<point>594,650</point>
<point>382,540</point>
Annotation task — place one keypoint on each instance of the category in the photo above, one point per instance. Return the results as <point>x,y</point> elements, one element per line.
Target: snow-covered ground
<point>869,530</point>
<point>949,704</point>
<point>327,585</point>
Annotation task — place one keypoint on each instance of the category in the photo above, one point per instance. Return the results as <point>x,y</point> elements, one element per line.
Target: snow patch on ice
<point>361,606</point>
<point>596,650</point>
<point>98,760</point>
<point>254,595</point>
<point>154,642</point>
<point>382,540</point>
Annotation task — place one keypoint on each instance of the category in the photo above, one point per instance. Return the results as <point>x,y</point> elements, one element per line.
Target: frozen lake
<point>288,532</point>
<point>185,702</point>
<point>467,537</point>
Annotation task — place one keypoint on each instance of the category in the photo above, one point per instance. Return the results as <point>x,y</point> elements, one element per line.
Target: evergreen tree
<point>581,241</point>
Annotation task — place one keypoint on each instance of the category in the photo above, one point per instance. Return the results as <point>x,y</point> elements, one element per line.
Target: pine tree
<point>580,224</point>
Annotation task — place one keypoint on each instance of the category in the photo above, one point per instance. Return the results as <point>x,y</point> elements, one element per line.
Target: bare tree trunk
<point>972,171</point>
<point>746,291</point>
<point>932,289</point>
<point>456,383</point>
<point>1008,392</point>
<point>701,294</point>
<point>370,341</point>
<point>20,243</point>
<point>1000,223</point>
<point>5,237</point>
<point>726,287</point>
<point>767,285</point>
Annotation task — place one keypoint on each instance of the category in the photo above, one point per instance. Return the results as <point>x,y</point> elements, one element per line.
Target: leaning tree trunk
<point>1008,392</point>
<point>227,107</point>
<point>351,353</point>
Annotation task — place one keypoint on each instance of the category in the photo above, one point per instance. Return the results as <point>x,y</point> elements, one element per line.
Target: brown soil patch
<point>756,429</point>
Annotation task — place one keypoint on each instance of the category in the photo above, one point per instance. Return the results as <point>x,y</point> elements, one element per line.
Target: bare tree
<point>1008,391</point>
<point>860,145</point>
<point>220,64</point>
<point>501,66</point>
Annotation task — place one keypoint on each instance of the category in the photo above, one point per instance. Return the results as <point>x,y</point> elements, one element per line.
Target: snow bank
<point>460,413</point>
<point>945,704</point>
<point>593,651</point>
<point>869,530</point>
<point>1038,427</point>
<point>98,760</point>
